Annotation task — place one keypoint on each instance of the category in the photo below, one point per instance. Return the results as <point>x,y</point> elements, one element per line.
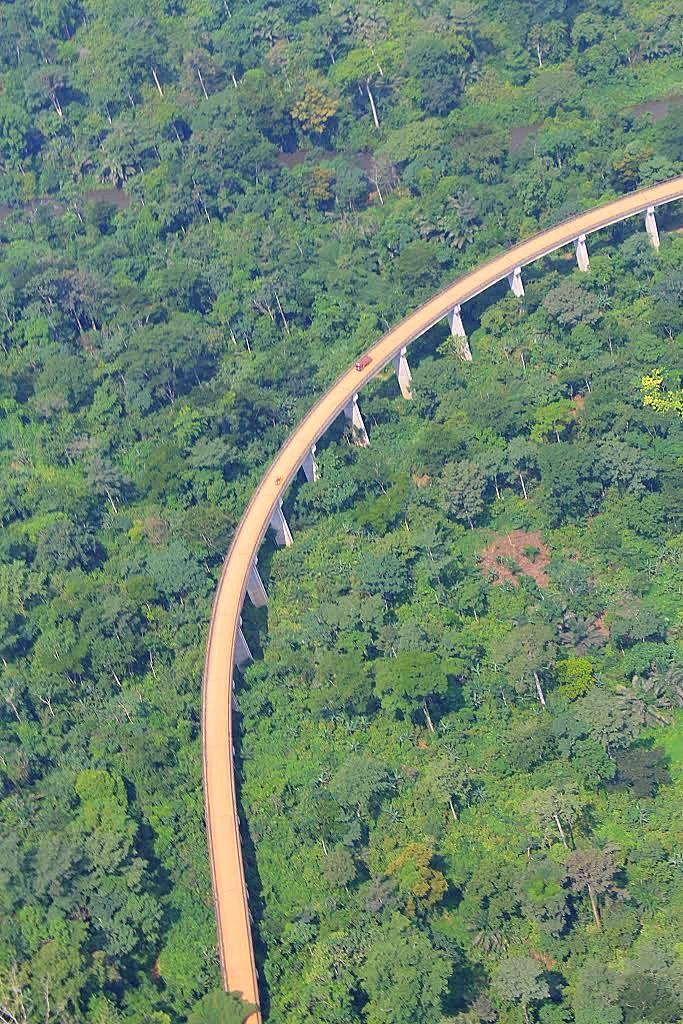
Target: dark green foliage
<point>180,277</point>
<point>220,1008</point>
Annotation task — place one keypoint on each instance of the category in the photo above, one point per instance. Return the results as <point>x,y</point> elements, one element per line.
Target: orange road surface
<point>230,892</point>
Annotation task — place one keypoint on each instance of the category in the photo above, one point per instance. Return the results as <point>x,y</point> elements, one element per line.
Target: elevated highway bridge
<point>226,646</point>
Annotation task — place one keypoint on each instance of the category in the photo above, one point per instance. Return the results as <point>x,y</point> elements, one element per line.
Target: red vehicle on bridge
<point>363,362</point>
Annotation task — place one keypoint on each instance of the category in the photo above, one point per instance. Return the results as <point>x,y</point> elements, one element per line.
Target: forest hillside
<point>459,760</point>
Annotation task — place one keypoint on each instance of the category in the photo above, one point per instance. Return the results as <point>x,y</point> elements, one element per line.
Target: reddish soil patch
<point>543,958</point>
<point>601,626</point>
<point>517,553</point>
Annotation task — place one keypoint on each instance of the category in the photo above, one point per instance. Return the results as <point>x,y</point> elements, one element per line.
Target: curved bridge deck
<point>230,892</point>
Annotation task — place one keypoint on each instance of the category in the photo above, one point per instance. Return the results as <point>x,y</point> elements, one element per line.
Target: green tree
<point>406,682</point>
<point>461,490</point>
<point>560,805</point>
<point>220,1008</point>
<point>525,655</point>
<point>403,976</point>
<point>553,418</point>
<point>519,979</point>
<point>594,871</point>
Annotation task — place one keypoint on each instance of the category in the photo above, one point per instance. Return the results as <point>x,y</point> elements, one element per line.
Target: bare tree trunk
<point>539,689</point>
<point>372,104</point>
<point>201,82</point>
<point>594,907</point>
<point>10,700</point>
<point>428,717</point>
<point>157,82</point>
<point>47,701</point>
<point>322,840</point>
<point>521,480</point>
<point>561,831</point>
<point>282,313</point>
<point>453,810</point>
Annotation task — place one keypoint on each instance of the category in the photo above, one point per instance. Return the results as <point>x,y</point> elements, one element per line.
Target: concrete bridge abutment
<point>353,415</point>
<point>255,587</point>
<point>516,283</point>
<point>651,227</point>
<point>310,466</point>
<point>458,332</point>
<point>242,653</point>
<point>582,253</point>
<point>278,524</point>
<point>403,374</point>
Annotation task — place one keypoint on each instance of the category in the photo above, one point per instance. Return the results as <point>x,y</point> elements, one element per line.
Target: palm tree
<point>580,633</point>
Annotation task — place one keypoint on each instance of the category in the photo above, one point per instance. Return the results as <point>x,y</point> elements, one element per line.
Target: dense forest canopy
<point>459,762</point>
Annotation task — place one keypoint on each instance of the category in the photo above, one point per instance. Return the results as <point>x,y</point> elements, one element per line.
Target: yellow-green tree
<point>658,396</point>
<point>314,109</point>
<point>423,885</point>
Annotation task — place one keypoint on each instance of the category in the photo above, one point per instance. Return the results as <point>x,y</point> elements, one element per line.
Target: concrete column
<point>242,652</point>
<point>403,373</point>
<point>515,279</point>
<point>352,413</point>
<point>651,227</point>
<point>582,253</point>
<point>310,466</point>
<point>278,523</point>
<point>458,331</point>
<point>255,588</point>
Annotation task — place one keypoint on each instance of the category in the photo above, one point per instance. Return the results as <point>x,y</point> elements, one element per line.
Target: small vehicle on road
<point>361,363</point>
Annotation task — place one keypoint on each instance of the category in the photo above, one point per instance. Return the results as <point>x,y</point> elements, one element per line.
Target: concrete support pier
<point>403,373</point>
<point>651,227</point>
<point>458,331</point>
<point>582,253</point>
<point>255,588</point>
<point>310,466</point>
<point>352,413</point>
<point>278,523</point>
<point>516,283</point>
<point>242,652</point>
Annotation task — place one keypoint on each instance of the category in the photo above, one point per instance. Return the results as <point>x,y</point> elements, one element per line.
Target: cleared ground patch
<point>519,553</point>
